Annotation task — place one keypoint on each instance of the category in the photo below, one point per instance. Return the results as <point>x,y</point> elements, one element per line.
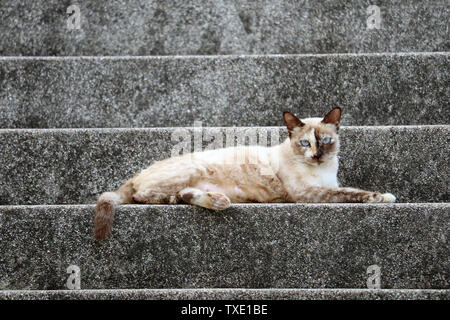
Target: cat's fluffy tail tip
<point>104,215</point>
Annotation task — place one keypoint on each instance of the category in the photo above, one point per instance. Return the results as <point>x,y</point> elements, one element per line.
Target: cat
<point>303,169</point>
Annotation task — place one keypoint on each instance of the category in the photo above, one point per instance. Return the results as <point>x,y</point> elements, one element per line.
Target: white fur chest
<point>321,176</point>
<point>326,177</point>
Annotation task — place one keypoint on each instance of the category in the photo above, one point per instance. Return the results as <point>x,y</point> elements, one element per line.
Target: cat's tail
<point>104,210</point>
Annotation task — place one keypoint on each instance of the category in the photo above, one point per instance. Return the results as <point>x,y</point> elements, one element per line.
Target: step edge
<point>150,129</point>
<point>353,290</point>
<point>231,56</point>
<point>242,205</point>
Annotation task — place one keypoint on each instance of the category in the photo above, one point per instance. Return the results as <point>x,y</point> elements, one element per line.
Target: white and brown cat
<point>304,169</point>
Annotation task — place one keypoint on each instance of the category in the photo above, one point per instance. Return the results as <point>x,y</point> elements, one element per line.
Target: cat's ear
<point>291,121</point>
<point>333,117</point>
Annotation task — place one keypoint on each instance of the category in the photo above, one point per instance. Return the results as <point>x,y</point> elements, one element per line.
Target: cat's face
<point>314,140</point>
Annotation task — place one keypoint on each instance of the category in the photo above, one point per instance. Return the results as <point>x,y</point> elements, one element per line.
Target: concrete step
<point>373,89</point>
<point>73,166</point>
<point>140,27</point>
<point>247,246</point>
<point>227,294</point>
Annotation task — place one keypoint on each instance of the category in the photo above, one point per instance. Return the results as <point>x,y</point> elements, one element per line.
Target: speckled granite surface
<point>225,63</point>
<point>75,166</point>
<point>372,89</point>
<point>228,294</point>
<point>141,27</point>
<point>246,246</point>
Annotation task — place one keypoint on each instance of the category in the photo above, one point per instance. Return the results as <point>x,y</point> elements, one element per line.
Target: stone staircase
<point>81,110</point>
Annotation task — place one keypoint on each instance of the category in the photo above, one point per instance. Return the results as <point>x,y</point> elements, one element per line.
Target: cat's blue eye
<point>304,143</point>
<point>326,140</point>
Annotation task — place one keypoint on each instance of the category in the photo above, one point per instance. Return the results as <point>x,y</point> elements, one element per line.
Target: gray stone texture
<point>227,294</point>
<point>246,246</point>
<point>205,27</point>
<point>226,63</point>
<point>372,89</point>
<point>74,166</point>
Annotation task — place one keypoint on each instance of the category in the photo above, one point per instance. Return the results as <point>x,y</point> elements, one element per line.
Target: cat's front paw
<point>372,197</point>
<point>376,197</point>
<point>388,197</point>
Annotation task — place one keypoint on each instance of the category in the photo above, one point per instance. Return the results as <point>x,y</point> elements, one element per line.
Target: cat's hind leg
<point>150,196</point>
<point>209,200</point>
<point>161,182</point>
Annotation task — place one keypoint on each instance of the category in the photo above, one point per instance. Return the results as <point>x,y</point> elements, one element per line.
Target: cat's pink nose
<point>317,155</point>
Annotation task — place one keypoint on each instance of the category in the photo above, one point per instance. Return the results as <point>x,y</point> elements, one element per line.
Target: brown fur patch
<point>327,194</point>
<point>104,216</point>
<point>320,129</point>
<point>187,197</point>
<point>291,122</point>
<point>333,117</point>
